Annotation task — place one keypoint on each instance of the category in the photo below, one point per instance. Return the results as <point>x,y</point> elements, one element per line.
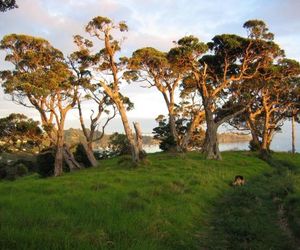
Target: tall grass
<point>169,203</point>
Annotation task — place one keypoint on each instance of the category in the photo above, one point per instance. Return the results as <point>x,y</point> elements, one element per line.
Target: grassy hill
<point>172,202</point>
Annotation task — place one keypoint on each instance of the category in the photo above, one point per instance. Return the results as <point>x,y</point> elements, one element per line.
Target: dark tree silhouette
<point>6,5</point>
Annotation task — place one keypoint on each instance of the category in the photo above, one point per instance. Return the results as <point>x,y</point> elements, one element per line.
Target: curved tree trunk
<point>187,137</point>
<point>69,159</point>
<point>133,147</point>
<point>90,154</point>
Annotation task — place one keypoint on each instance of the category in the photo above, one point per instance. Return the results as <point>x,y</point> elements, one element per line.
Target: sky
<point>152,23</point>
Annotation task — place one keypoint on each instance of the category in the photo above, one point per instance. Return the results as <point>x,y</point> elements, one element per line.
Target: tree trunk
<point>211,144</point>
<point>88,148</point>
<point>187,137</point>
<point>174,132</point>
<point>133,147</point>
<point>69,159</point>
<point>293,135</point>
<point>139,140</point>
<point>265,138</point>
<point>59,159</point>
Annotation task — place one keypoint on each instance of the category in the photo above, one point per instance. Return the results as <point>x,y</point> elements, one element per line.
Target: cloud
<point>153,23</point>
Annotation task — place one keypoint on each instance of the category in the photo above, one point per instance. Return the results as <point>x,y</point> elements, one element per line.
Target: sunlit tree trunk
<point>133,147</point>
<point>211,144</point>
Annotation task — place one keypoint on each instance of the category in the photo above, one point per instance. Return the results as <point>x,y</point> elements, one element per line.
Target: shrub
<point>21,169</point>
<point>29,164</point>
<point>45,162</point>
<point>12,171</point>
<point>119,144</point>
<point>80,155</point>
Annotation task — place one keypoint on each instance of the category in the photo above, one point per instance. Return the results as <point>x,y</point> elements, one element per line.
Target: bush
<point>21,169</point>
<point>30,165</point>
<point>119,144</point>
<point>12,171</point>
<point>45,162</point>
<point>2,170</point>
<point>80,155</point>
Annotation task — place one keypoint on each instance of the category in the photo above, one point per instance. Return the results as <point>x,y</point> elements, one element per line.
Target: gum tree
<point>41,79</point>
<point>156,69</point>
<point>81,62</point>
<point>219,76</point>
<point>274,103</point>
<point>109,73</point>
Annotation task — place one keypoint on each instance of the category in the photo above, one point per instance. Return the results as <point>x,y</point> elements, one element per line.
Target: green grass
<point>172,202</point>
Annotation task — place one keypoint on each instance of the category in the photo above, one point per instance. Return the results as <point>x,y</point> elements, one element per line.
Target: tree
<point>81,62</point>
<point>274,103</point>
<point>219,77</point>
<point>163,133</point>
<point>41,79</point>
<point>119,144</point>
<point>19,133</point>
<point>6,5</point>
<point>158,70</point>
<point>102,28</point>
<point>150,65</point>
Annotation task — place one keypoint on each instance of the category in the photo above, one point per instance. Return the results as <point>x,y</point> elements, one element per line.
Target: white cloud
<point>153,23</point>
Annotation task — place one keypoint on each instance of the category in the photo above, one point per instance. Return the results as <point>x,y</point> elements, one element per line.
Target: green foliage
<point>6,5</point>
<point>163,133</point>
<point>19,133</point>
<point>80,155</point>
<point>189,50</point>
<point>258,29</point>
<point>12,170</point>
<point>30,76</point>
<point>119,144</point>
<point>45,162</point>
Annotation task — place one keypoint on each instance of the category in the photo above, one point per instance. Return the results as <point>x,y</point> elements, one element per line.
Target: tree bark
<point>69,159</point>
<point>265,138</point>
<point>59,159</point>
<point>90,154</point>
<point>293,134</point>
<point>187,137</point>
<point>139,140</point>
<point>211,144</point>
<point>133,147</point>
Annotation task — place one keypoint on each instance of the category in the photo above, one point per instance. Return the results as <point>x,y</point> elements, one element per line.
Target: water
<point>280,143</point>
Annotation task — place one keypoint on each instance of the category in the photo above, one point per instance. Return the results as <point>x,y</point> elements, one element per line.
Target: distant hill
<point>233,137</point>
<point>74,136</point>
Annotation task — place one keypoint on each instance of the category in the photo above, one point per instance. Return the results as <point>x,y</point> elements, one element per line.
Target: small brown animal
<point>238,180</point>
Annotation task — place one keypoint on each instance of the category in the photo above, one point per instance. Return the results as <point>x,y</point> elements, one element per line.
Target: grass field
<point>172,202</point>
